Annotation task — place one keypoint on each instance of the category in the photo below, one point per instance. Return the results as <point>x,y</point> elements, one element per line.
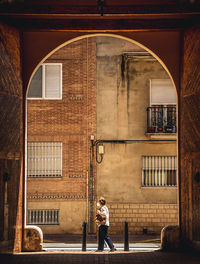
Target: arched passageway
<point>163,45</point>
<point>96,69</point>
<point>167,46</point>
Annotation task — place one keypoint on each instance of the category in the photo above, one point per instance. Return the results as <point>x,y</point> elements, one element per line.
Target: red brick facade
<point>71,121</point>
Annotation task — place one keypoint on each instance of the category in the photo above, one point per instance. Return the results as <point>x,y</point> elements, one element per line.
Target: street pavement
<point>91,257</point>
<point>70,252</point>
<point>93,246</point>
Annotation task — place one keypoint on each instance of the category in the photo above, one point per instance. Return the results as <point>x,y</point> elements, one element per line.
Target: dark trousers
<point>103,236</point>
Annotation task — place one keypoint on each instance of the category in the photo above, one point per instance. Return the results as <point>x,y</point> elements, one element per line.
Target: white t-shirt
<point>104,211</point>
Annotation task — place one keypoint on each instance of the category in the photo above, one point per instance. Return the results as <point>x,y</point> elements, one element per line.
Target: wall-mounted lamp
<point>101,149</point>
<point>98,144</point>
<point>92,137</point>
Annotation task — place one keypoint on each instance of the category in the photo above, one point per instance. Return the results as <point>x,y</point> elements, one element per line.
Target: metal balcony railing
<point>161,119</point>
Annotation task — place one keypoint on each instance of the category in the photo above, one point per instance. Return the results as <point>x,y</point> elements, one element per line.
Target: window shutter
<point>35,88</point>
<point>162,92</point>
<point>53,81</point>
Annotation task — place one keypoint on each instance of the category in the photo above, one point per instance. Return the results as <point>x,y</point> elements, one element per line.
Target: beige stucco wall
<point>119,176</point>
<point>123,90</point>
<point>72,214</point>
<point>123,83</point>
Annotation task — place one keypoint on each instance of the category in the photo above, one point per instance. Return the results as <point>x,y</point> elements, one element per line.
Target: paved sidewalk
<point>154,257</point>
<point>93,246</point>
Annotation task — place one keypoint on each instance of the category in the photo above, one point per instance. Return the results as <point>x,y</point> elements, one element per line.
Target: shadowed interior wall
<point>190,136</point>
<point>11,135</point>
<point>38,45</point>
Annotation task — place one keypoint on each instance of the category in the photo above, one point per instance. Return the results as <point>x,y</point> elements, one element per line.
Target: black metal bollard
<point>84,241</point>
<point>126,240</point>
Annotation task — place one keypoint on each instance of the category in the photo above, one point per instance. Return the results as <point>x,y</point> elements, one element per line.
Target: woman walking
<point>102,220</point>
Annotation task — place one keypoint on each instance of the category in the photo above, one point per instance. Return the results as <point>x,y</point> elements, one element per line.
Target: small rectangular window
<point>43,217</point>
<point>44,159</point>
<point>159,171</point>
<point>46,82</point>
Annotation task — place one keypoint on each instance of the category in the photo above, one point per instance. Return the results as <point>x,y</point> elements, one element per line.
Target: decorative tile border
<point>75,98</point>
<point>56,197</point>
<point>75,176</point>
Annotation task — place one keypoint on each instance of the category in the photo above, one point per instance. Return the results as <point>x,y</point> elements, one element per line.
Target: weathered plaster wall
<point>123,84</point>
<point>123,89</point>
<point>72,213</point>
<point>119,176</point>
<point>11,135</point>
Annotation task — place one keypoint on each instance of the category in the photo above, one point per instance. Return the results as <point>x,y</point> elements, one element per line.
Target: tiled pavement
<point>154,257</point>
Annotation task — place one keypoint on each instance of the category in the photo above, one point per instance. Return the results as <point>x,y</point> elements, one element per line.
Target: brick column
<point>11,140</point>
<point>189,137</point>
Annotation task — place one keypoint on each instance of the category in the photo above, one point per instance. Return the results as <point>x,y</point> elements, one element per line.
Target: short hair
<point>102,201</point>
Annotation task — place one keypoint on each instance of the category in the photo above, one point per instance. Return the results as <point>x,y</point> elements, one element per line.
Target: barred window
<point>44,159</point>
<point>43,217</point>
<point>159,171</point>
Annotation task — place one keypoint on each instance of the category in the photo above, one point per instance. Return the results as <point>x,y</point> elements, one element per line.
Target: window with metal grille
<point>159,171</point>
<point>43,217</point>
<point>161,114</point>
<point>44,159</point>
<point>46,82</point>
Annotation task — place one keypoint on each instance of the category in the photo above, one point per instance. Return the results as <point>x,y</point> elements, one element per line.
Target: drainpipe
<point>92,186</point>
<point>87,201</point>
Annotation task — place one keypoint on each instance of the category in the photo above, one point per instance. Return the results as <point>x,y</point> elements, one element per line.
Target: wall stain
<point>123,68</point>
<point>128,84</point>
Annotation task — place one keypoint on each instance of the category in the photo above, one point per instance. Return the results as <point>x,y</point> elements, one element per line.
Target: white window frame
<point>150,95</point>
<point>43,83</point>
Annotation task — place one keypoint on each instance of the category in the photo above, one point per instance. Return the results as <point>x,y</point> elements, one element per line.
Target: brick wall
<point>71,120</point>
<point>139,216</point>
<point>11,137</point>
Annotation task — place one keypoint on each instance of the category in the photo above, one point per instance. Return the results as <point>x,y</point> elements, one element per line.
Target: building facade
<point>101,121</point>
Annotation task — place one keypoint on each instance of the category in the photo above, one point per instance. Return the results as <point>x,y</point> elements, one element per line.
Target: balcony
<point>161,119</point>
